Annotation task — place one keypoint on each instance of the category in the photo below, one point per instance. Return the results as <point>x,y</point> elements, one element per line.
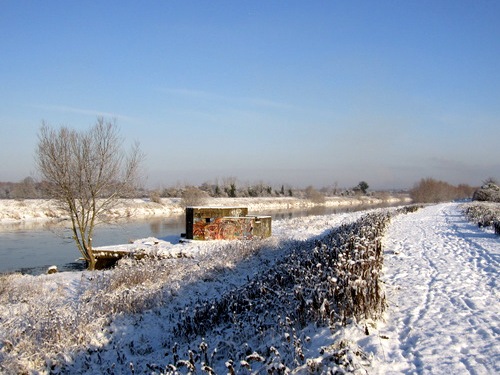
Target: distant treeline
<point>231,188</point>
<point>29,188</point>
<point>26,189</point>
<point>429,190</point>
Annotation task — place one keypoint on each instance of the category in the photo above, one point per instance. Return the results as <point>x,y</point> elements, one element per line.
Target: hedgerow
<point>325,282</point>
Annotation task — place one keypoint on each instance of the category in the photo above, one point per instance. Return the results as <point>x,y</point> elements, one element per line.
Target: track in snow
<point>442,287</point>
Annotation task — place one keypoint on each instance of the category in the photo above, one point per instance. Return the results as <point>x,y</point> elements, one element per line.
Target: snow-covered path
<point>442,289</point>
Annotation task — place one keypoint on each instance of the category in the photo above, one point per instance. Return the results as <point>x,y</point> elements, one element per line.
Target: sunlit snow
<point>441,283</point>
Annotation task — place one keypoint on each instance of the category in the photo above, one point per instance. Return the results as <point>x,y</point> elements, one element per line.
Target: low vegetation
<point>483,214</point>
<point>485,208</point>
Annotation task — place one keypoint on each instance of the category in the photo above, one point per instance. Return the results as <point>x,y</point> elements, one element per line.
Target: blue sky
<point>284,92</point>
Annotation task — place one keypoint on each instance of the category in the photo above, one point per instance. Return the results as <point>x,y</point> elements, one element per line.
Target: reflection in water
<point>155,228</point>
<point>34,225</point>
<point>33,247</point>
<point>163,227</point>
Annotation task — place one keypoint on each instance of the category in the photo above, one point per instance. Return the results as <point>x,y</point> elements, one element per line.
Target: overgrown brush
<point>5,286</point>
<point>41,326</point>
<point>132,287</point>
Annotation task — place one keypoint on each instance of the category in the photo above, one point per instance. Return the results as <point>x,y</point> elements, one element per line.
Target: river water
<point>33,247</point>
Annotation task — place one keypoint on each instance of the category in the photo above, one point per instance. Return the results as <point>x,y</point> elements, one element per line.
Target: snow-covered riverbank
<point>441,277</point>
<point>12,210</point>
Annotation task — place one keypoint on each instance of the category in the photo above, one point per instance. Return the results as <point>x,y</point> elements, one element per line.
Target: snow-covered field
<point>441,284</point>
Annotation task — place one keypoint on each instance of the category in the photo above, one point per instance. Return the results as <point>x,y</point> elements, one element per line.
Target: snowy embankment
<point>441,283</point>
<point>12,210</point>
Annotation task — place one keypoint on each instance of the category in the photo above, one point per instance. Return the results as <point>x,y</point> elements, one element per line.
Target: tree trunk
<point>91,263</point>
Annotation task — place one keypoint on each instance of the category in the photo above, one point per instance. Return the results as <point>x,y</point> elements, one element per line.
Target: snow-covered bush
<point>489,192</point>
<point>155,196</point>
<point>484,214</point>
<point>409,209</point>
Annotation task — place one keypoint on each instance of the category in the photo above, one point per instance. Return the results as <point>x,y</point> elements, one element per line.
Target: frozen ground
<point>441,277</point>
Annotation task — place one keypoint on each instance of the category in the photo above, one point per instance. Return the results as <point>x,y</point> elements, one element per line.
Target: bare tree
<point>192,196</point>
<point>314,196</point>
<point>26,189</point>
<point>429,190</point>
<point>87,172</point>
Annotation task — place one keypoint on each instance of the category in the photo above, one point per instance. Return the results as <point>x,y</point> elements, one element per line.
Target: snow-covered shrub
<point>484,214</point>
<point>342,357</point>
<point>409,209</point>
<point>155,196</point>
<point>489,192</point>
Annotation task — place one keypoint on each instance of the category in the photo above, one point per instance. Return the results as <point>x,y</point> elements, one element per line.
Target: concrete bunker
<point>225,223</point>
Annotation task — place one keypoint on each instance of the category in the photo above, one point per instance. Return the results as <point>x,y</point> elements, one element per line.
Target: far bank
<point>16,211</point>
